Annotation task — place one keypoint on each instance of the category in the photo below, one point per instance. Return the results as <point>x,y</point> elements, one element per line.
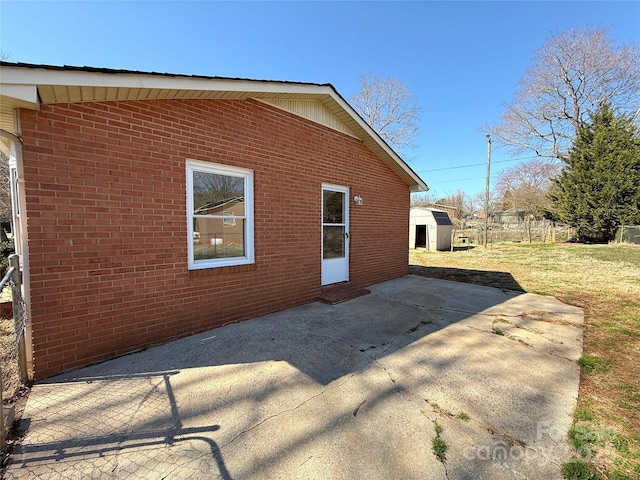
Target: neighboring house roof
<point>218,205</point>
<point>29,86</point>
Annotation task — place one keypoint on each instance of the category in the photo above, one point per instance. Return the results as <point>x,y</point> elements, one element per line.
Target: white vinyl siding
<point>311,110</point>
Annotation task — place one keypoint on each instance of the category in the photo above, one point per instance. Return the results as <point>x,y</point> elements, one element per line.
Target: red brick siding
<point>106,215</point>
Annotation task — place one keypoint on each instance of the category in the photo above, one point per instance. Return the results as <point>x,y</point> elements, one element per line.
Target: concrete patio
<point>345,391</point>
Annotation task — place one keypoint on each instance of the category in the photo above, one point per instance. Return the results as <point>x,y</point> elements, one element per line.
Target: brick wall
<point>106,218</point>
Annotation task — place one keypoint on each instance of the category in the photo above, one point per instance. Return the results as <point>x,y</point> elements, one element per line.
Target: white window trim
<point>248,258</point>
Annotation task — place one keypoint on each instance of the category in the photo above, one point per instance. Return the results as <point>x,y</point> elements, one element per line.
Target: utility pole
<point>486,193</point>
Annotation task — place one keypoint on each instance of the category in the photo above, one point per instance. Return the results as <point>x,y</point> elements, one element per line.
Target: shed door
<point>335,234</point>
<point>421,236</point>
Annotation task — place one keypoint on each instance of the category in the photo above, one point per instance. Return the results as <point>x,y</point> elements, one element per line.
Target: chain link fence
<point>628,234</point>
<point>12,327</point>
<point>13,365</point>
<point>535,231</point>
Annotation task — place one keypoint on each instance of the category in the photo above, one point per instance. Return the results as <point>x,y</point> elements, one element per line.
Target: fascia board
<point>18,95</point>
<point>24,81</point>
<point>420,185</point>
<point>34,76</point>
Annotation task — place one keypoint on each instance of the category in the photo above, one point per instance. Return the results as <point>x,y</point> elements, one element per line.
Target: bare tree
<point>5,179</point>
<point>456,202</point>
<point>570,76</point>
<point>422,199</point>
<point>390,108</point>
<point>475,202</point>
<point>211,188</point>
<point>7,247</point>
<point>5,188</point>
<point>526,186</point>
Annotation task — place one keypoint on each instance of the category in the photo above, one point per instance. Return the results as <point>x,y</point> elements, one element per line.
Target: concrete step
<point>341,293</point>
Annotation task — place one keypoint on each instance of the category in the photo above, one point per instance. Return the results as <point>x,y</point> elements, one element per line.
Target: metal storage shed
<point>429,228</point>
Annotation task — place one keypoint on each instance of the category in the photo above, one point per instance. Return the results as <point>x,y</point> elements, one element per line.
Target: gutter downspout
<point>18,199</point>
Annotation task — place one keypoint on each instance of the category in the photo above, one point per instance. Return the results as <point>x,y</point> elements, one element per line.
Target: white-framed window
<point>219,215</point>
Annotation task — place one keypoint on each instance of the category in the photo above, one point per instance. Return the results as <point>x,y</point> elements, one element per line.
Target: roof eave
<point>28,85</point>
<point>378,145</point>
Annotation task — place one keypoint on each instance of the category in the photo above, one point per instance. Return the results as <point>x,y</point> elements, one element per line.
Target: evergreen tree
<point>599,186</point>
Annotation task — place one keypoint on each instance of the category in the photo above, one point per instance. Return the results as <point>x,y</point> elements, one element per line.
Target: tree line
<point>575,109</point>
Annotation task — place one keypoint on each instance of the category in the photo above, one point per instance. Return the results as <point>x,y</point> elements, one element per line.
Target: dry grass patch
<point>604,280</point>
<point>8,360</point>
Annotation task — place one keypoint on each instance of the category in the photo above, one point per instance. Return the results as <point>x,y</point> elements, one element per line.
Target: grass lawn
<point>604,280</point>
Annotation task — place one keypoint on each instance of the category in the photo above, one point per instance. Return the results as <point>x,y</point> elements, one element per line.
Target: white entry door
<point>335,234</point>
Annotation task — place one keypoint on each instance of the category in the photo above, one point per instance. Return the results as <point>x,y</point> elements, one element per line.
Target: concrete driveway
<point>348,391</point>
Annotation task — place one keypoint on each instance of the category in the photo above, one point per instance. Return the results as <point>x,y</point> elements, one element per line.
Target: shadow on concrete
<point>320,340</point>
<point>503,280</point>
<point>85,449</point>
<point>323,341</point>
<point>231,380</point>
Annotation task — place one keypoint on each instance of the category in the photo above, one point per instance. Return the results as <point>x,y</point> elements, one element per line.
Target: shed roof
<point>440,216</point>
<point>25,85</point>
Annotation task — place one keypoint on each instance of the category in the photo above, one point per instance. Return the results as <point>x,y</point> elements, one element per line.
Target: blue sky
<point>462,60</point>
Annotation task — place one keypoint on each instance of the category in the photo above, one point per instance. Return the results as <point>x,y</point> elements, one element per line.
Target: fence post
<point>18,315</point>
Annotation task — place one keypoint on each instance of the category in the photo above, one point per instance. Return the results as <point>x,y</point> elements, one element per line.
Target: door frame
<point>340,264</point>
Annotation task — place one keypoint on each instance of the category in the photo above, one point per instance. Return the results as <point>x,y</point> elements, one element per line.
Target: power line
<point>460,180</point>
<point>465,166</point>
<point>494,176</point>
<point>475,165</point>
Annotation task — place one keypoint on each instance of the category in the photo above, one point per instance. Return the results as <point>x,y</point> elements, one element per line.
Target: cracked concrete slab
<point>352,390</point>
